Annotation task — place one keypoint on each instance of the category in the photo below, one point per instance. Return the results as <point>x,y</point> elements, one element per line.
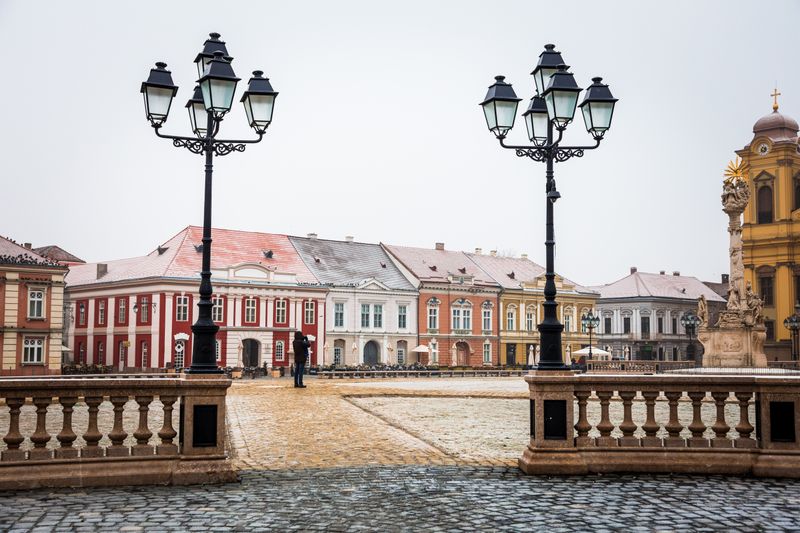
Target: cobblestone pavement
<point>418,499</point>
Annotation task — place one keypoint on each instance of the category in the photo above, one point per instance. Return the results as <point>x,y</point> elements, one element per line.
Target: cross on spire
<point>775,94</point>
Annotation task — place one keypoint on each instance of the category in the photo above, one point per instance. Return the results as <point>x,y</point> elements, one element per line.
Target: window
<point>433,318</point>
<point>660,324</point>
<point>402,317</point>
<point>770,325</point>
<point>101,353</point>
<point>35,303</point>
<point>626,324</point>
<point>146,355</point>
<point>510,316</point>
<point>310,312</point>
<point>101,312</point>
<point>144,309</point>
<point>338,315</point>
<point>645,323</point>
<point>337,355</point>
<point>218,350</point>
<point>217,310</point>
<point>456,318</point>
<point>279,351</point>
<point>377,316</point>
<point>765,204</point>
<point>434,351</point>
<point>364,315</point>
<point>674,325</point>
<point>401,356</point>
<point>487,353</point>
<point>530,319</point>
<point>122,310</point>
<point>796,193</point>
<point>487,320</point>
<point>33,350</point>
<point>82,314</point>
<point>182,308</point>
<point>765,283</point>
<point>467,318</point>
<point>250,310</point>
<point>567,323</point>
<point>607,325</point>
<point>180,348</point>
<point>81,353</point>
<point>674,353</point>
<point>280,313</point>
<point>121,354</point>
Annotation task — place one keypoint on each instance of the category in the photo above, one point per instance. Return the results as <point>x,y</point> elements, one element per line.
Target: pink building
<point>138,312</point>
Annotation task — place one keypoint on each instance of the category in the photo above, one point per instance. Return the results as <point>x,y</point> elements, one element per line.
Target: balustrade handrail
<point>707,381</point>
<point>107,385</point>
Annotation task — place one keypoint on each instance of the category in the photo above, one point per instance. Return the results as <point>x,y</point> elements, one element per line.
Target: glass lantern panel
<point>542,78</point>
<point>199,118</point>
<point>218,94</point>
<point>601,114</point>
<point>491,118</point>
<point>587,116</point>
<point>565,102</point>
<point>158,102</point>
<point>260,106</point>
<point>506,112</point>
<point>529,126</point>
<point>539,126</point>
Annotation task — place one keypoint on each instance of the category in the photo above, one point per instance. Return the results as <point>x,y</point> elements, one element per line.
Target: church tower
<point>771,228</point>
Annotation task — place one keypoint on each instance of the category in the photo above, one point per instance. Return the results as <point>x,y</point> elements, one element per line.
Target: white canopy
<point>421,349</point>
<point>595,351</point>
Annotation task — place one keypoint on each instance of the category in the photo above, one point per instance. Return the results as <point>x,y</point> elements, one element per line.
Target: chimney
<point>27,245</point>
<point>634,270</point>
<point>662,272</point>
<point>524,256</point>
<point>348,238</point>
<point>440,246</point>
<point>493,253</point>
<point>478,251</point>
<point>726,278</point>
<point>312,235</point>
<point>102,270</point>
<point>676,272</point>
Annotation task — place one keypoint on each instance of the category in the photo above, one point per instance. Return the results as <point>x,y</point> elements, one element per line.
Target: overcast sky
<point>377,131</point>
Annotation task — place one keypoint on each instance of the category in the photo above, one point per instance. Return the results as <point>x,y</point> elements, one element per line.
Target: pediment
<point>561,283</point>
<point>250,271</point>
<point>372,284</point>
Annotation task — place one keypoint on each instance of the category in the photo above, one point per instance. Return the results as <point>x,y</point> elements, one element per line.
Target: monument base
<point>734,347</point>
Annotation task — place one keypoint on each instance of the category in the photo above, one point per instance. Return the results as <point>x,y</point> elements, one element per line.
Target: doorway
<point>371,353</point>
<point>462,353</point>
<point>250,353</point>
<point>511,354</point>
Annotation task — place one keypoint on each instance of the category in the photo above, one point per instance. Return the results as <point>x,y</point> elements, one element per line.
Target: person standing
<point>300,346</point>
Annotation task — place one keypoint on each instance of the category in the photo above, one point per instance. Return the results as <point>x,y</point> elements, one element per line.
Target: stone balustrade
<point>113,430</point>
<point>689,423</point>
<point>442,373</point>
<point>636,367</point>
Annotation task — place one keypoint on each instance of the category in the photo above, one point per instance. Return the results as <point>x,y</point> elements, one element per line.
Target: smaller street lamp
<point>792,323</point>
<point>590,321</point>
<point>690,321</point>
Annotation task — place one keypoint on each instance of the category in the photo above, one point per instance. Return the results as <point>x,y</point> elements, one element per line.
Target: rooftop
<point>647,285</point>
<point>437,265</point>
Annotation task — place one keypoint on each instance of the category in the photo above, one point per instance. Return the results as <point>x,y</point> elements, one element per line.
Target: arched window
<point>764,204</point>
<point>279,351</point>
<point>797,192</point>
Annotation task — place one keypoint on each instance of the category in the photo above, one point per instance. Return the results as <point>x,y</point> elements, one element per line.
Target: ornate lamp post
<point>211,101</point>
<point>690,321</point>
<point>589,321</point>
<point>792,323</point>
<point>547,116</point>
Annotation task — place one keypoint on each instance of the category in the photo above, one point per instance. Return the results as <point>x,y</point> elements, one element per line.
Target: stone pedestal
<point>734,347</point>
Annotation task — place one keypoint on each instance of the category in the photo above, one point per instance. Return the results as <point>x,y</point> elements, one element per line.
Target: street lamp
<point>690,321</point>
<point>552,108</point>
<point>792,323</point>
<point>211,100</point>
<point>590,321</point>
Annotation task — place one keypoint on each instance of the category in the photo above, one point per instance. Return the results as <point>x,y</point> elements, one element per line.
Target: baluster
<point>605,426</point>
<point>627,426</point>
<point>721,427</point>
<point>744,427</point>
<point>92,435</point>
<point>583,426</point>
<point>143,433</point>
<point>40,437</point>
<point>697,427</point>
<point>650,426</point>
<point>67,436</point>
<point>674,426</point>
<point>117,433</point>
<point>13,438</point>
<point>167,432</point>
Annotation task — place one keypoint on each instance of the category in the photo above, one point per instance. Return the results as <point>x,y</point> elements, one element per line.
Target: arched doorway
<point>250,352</point>
<point>371,353</point>
<point>462,353</point>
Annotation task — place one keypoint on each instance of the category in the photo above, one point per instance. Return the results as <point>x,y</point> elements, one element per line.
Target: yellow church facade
<point>771,225</point>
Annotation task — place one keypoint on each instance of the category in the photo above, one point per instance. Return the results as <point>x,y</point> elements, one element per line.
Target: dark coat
<point>300,346</point>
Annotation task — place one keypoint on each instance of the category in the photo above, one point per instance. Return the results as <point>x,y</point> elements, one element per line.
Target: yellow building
<point>521,308</point>
<point>771,229</point>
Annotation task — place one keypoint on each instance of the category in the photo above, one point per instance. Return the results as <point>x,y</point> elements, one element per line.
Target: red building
<point>457,309</point>
<point>138,312</point>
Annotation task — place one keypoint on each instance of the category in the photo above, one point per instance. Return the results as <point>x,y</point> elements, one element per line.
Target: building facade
<point>457,308</point>
<point>137,313</point>
<point>521,310</point>
<point>372,306</point>
<point>771,224</point>
<point>31,300</point>
<point>640,316</point>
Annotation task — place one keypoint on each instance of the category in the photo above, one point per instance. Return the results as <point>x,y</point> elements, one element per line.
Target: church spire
<point>775,94</point>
